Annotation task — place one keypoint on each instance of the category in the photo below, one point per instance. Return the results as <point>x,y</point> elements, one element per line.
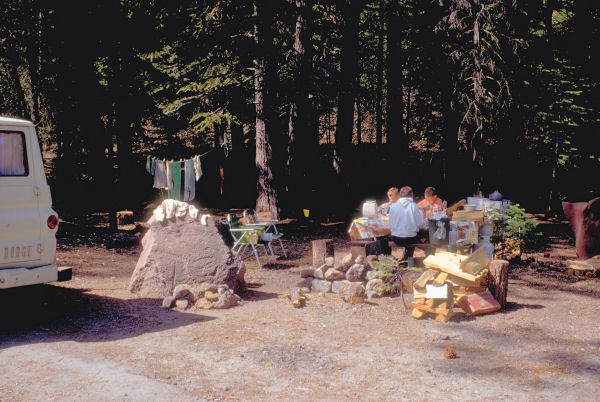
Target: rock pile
<point>354,279</point>
<point>205,296</point>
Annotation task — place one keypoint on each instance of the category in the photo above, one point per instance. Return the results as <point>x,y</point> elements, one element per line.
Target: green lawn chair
<point>269,227</point>
<point>248,238</point>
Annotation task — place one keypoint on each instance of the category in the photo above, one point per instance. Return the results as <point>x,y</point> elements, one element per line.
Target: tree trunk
<point>553,208</point>
<point>394,105</point>
<point>33,54</point>
<point>267,196</point>
<point>303,138</point>
<point>20,102</point>
<point>358,123</point>
<point>350,10</point>
<point>451,176</point>
<point>379,89</point>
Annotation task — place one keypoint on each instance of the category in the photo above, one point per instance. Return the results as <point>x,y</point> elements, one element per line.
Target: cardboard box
<point>463,230</point>
<point>479,303</point>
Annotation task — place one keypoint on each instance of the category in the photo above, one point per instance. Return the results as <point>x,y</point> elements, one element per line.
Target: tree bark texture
<point>358,122</point>
<point>379,89</point>
<point>394,105</point>
<point>303,138</point>
<point>498,280</point>
<point>267,197</point>
<point>350,10</point>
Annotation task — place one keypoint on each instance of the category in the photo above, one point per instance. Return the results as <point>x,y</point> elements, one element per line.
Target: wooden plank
<point>456,281</point>
<point>468,289</point>
<point>435,261</point>
<point>468,216</point>
<point>430,309</point>
<point>444,317</point>
<point>580,265</point>
<point>452,258</point>
<point>594,261</point>
<point>440,279</point>
<point>423,279</point>
<point>454,207</point>
<point>475,262</point>
<point>419,293</point>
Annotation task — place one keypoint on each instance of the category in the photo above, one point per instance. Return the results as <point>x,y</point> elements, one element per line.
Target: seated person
<point>431,203</point>
<point>405,222</point>
<point>384,208</point>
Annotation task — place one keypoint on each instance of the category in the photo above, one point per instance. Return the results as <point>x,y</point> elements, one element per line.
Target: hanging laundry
<point>197,167</point>
<point>160,175</point>
<point>153,166</point>
<point>175,190</point>
<point>169,176</point>
<point>189,184</point>
<point>148,164</point>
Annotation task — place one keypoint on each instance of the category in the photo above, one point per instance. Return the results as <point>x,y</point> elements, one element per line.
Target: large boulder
<point>183,250</point>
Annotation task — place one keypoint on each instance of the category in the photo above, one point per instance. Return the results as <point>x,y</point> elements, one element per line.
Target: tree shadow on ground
<point>517,359</point>
<point>508,309</point>
<point>529,279</point>
<point>46,313</point>
<point>278,266</point>
<point>513,306</point>
<point>255,295</point>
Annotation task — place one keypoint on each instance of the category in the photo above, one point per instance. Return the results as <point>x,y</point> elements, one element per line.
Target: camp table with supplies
<point>368,228</point>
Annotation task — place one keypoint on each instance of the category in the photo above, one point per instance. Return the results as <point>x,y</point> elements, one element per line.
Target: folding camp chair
<point>248,237</point>
<point>269,224</point>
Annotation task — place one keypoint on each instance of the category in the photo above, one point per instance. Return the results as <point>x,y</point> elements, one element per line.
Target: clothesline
<point>224,146</point>
<point>178,177</point>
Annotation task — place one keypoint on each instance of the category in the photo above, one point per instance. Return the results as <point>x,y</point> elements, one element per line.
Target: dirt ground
<point>91,339</point>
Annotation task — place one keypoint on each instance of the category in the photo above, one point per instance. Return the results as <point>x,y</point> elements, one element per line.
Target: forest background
<point>308,104</point>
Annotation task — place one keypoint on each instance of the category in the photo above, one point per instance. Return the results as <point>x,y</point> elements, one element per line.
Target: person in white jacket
<point>405,221</point>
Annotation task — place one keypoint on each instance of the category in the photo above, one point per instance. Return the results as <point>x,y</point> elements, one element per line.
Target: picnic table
<point>369,228</point>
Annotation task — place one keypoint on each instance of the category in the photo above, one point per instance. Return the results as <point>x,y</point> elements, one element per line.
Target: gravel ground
<point>91,339</point>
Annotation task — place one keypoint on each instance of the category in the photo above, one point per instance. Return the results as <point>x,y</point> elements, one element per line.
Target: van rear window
<point>13,161</point>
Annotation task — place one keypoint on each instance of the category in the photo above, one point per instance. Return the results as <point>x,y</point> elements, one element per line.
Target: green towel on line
<point>175,192</point>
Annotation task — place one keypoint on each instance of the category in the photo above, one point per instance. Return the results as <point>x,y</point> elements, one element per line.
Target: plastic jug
<point>369,209</point>
<point>488,247</point>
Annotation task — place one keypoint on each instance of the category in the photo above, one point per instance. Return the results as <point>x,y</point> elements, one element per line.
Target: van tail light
<point>52,221</point>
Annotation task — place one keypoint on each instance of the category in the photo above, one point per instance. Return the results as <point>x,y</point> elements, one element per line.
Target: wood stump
<point>498,280</point>
<point>321,249</point>
<point>369,247</point>
<point>124,217</point>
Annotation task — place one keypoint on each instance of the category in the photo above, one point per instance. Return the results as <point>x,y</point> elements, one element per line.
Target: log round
<point>322,249</point>
<point>498,280</point>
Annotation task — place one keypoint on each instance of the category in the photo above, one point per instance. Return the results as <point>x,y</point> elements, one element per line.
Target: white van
<point>28,224</point>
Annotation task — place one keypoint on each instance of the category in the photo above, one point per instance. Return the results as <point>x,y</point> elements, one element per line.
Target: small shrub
<point>515,232</point>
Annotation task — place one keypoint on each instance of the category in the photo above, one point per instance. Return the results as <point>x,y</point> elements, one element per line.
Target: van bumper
<point>14,277</point>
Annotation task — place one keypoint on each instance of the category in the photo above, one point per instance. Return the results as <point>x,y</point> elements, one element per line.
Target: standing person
<point>405,222</point>
<point>431,203</point>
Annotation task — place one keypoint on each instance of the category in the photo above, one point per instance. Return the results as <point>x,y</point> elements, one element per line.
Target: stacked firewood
<point>451,280</point>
